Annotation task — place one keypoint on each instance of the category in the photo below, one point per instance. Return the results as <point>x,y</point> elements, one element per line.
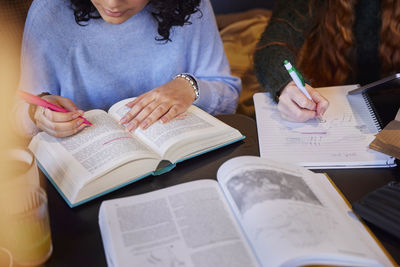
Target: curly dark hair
<point>167,13</point>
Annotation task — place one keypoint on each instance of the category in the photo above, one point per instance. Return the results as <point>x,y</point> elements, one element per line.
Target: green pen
<point>299,81</point>
<point>297,78</point>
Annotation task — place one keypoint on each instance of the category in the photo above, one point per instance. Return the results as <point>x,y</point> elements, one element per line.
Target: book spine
<point>372,110</point>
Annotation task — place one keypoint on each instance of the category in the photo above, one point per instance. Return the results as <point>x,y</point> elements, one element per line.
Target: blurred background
<point>12,17</point>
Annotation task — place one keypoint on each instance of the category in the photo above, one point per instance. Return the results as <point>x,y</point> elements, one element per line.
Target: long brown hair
<point>329,45</point>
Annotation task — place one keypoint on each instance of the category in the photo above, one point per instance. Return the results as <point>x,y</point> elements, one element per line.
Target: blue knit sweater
<point>101,63</point>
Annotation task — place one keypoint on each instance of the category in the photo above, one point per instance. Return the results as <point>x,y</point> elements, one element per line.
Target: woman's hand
<point>294,106</point>
<point>162,103</point>
<point>59,124</point>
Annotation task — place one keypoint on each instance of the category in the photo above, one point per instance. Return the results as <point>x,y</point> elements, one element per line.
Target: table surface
<point>76,234</point>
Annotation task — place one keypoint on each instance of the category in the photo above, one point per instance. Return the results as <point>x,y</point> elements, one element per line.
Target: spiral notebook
<point>383,97</point>
<point>340,140</point>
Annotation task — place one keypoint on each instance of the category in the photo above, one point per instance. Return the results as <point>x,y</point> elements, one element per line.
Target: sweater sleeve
<point>283,36</point>
<point>219,90</point>
<point>37,68</point>
<point>37,71</point>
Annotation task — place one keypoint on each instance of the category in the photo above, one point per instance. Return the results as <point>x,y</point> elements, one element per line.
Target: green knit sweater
<point>268,61</point>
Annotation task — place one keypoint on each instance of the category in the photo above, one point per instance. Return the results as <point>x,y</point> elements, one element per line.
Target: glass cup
<point>18,166</point>
<point>26,226</point>
<point>5,257</point>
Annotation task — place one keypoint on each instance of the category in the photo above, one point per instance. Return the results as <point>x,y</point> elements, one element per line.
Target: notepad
<point>339,141</point>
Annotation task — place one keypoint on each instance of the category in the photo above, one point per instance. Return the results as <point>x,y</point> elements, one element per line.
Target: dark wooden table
<point>356,183</point>
<point>76,234</point>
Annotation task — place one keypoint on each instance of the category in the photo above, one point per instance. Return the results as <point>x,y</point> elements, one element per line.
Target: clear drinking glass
<point>18,167</point>
<point>25,224</point>
<point>5,257</point>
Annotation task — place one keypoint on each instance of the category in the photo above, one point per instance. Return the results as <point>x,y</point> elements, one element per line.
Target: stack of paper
<point>388,140</point>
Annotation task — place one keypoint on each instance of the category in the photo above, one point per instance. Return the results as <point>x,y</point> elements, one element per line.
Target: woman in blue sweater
<point>93,53</point>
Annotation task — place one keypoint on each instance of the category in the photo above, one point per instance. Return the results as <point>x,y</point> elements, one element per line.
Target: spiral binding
<point>372,110</point>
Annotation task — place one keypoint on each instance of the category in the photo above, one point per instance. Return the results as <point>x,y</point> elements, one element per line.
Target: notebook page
<point>340,141</point>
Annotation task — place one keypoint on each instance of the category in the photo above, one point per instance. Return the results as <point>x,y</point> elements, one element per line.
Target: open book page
<point>291,219</point>
<point>90,153</point>
<point>334,196</point>
<point>185,225</point>
<point>189,133</point>
<point>119,109</point>
<point>341,140</point>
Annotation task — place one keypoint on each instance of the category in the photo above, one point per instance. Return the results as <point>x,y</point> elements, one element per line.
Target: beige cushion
<point>240,34</point>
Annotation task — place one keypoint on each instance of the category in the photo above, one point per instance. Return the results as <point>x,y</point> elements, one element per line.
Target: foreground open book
<point>259,213</point>
<point>104,157</point>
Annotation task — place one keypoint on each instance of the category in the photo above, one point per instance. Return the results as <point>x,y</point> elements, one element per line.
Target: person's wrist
<point>32,108</point>
<point>192,81</point>
<point>279,92</point>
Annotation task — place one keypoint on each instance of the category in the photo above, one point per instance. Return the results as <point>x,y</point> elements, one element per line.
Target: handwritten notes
<point>340,141</point>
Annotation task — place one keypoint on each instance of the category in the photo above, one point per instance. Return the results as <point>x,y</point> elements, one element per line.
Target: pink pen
<point>35,100</point>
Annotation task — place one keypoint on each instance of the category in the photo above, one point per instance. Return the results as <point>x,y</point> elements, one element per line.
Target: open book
<point>340,140</point>
<point>104,157</point>
<point>259,213</point>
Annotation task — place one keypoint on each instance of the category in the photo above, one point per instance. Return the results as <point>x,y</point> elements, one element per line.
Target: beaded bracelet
<point>192,82</point>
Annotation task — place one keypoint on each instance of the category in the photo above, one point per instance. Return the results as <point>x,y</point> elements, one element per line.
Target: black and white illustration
<point>254,186</point>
